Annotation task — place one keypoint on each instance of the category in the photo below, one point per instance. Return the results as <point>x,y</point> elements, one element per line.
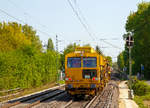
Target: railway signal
<point>129,43</point>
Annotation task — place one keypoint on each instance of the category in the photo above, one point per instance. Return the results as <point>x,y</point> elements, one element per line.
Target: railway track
<point>30,101</point>
<point>108,98</point>
<point>76,104</point>
<point>58,98</point>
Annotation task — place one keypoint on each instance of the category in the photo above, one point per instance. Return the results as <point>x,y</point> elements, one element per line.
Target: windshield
<point>89,62</point>
<point>74,62</point>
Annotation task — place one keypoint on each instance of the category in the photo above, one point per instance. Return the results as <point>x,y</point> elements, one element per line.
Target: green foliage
<point>31,35</point>
<point>139,101</point>
<point>26,68</point>
<point>61,81</point>
<point>22,62</point>
<point>146,97</point>
<point>142,92</point>
<point>120,61</point>
<point>98,50</point>
<point>70,48</point>
<point>12,37</point>
<point>140,88</point>
<point>50,45</point>
<point>138,24</point>
<point>114,65</point>
<point>109,60</point>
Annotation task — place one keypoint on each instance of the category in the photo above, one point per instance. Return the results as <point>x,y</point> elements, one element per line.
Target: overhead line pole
<point>130,68</point>
<point>57,58</point>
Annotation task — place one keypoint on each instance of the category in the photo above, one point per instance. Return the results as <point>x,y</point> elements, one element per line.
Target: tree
<point>50,45</point>
<point>115,65</point>
<point>109,60</point>
<point>70,48</point>
<point>120,61</point>
<point>30,33</point>
<point>98,50</point>
<point>15,36</point>
<point>138,24</point>
<point>12,37</point>
<point>22,63</point>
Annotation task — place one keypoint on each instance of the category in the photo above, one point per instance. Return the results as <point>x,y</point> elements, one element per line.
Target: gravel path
<point>124,101</point>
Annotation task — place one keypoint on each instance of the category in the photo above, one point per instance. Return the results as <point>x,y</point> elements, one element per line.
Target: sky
<point>105,21</point>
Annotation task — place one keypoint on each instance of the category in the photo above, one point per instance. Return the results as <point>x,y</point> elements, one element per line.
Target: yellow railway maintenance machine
<point>84,72</point>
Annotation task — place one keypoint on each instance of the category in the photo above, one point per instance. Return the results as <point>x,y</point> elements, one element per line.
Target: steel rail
<point>44,99</point>
<point>24,99</point>
<point>69,103</point>
<point>91,102</point>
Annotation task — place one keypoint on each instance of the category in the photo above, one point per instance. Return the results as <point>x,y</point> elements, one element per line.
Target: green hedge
<point>27,68</point>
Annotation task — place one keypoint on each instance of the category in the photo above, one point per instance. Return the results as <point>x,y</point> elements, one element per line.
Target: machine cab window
<point>74,62</point>
<point>89,62</point>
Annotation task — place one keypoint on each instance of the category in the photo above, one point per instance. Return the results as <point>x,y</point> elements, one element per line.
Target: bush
<point>139,101</point>
<point>140,88</point>
<point>27,68</point>
<point>22,62</point>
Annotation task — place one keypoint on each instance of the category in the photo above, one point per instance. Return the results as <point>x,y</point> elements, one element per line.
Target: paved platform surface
<point>124,101</point>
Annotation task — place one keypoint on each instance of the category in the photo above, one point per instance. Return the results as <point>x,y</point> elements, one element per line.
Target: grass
<point>61,82</point>
<point>142,94</point>
<point>140,101</point>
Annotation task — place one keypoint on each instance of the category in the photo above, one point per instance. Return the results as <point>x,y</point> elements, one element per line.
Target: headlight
<point>68,79</point>
<point>94,79</point>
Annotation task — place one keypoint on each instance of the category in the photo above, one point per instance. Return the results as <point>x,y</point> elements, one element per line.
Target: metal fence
<point>11,93</point>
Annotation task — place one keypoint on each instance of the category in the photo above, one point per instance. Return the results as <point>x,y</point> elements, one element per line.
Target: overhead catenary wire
<point>79,10</point>
<point>21,21</point>
<point>11,16</point>
<point>80,20</point>
<point>25,13</point>
<point>111,44</point>
<point>83,17</point>
<point>81,14</point>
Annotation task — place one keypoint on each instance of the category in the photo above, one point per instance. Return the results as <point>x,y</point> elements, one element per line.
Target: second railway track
<point>30,101</point>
